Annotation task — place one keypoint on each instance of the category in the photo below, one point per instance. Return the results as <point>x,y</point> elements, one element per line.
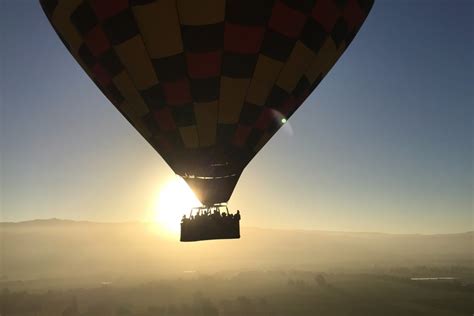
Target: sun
<point>175,199</point>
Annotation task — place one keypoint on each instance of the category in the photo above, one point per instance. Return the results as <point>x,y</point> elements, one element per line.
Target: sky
<point>384,144</point>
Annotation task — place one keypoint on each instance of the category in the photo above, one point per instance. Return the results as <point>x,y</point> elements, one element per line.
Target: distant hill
<point>65,248</point>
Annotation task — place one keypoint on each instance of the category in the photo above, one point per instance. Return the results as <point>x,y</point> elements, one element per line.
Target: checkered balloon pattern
<point>207,82</point>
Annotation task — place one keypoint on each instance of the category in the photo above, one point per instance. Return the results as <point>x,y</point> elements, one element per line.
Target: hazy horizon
<point>64,267</point>
<point>152,222</point>
<point>61,248</point>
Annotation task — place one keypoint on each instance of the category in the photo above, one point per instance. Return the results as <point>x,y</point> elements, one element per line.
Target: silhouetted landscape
<point>60,267</point>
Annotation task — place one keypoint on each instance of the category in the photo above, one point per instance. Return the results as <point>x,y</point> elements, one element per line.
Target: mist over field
<point>60,267</point>
<point>63,249</point>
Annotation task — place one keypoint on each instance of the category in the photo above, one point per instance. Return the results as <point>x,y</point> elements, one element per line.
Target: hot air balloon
<point>207,82</point>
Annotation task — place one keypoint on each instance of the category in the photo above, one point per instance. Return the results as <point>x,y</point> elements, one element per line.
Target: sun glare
<point>174,200</point>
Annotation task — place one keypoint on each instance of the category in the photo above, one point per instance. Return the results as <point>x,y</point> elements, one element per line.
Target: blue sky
<point>385,143</point>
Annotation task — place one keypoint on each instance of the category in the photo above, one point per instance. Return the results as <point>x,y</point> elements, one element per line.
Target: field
<point>248,293</point>
<point>89,269</point>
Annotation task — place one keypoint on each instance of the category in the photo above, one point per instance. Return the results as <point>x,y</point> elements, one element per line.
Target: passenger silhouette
<point>210,223</point>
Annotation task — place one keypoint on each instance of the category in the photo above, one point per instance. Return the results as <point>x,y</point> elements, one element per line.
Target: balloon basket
<point>207,223</point>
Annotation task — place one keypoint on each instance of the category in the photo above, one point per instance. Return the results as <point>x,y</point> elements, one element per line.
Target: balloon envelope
<point>207,82</point>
